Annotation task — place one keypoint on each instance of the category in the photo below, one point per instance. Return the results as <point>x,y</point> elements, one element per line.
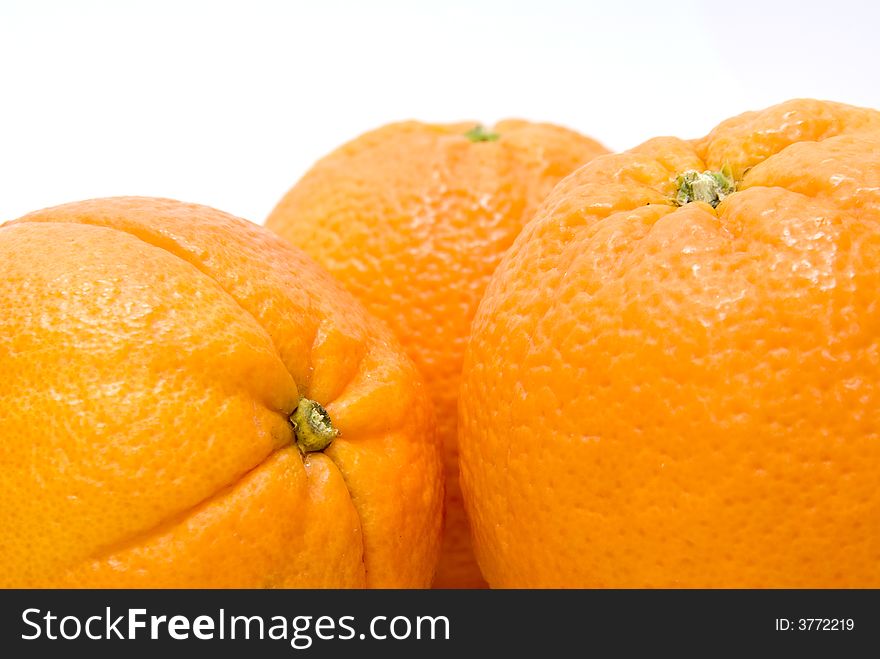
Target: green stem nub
<point>312,426</point>
<point>479,133</point>
<point>710,187</point>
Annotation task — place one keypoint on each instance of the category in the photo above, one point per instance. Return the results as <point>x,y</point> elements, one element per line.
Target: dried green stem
<point>479,133</point>
<point>312,426</point>
<point>709,187</point>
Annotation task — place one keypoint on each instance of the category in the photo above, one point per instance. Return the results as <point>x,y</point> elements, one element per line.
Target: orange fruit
<point>153,354</point>
<point>413,218</point>
<point>673,379</point>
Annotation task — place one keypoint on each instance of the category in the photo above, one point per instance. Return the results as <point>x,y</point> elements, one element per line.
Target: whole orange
<point>171,378</point>
<point>413,218</point>
<point>673,379</point>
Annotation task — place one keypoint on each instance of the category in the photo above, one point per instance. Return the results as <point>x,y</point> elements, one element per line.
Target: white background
<point>228,103</point>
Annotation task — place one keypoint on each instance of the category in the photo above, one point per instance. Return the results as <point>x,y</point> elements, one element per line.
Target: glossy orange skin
<point>663,396</point>
<point>413,218</point>
<point>152,353</point>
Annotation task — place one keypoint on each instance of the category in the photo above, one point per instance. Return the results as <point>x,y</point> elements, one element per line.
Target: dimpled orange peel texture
<point>673,379</point>
<point>413,218</point>
<point>153,353</point>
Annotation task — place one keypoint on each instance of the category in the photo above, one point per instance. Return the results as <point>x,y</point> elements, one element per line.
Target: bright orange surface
<point>686,396</point>
<point>151,352</point>
<point>413,218</point>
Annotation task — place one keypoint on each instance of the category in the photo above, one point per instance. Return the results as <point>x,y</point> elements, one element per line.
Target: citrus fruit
<point>673,379</point>
<point>188,401</point>
<point>413,218</point>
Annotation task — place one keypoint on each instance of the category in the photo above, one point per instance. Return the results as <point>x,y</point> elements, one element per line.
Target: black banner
<point>435,623</point>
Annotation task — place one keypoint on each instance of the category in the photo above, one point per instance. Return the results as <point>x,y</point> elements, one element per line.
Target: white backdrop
<point>227,103</point>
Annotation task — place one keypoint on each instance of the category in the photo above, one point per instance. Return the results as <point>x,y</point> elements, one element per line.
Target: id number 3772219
<point>815,624</point>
